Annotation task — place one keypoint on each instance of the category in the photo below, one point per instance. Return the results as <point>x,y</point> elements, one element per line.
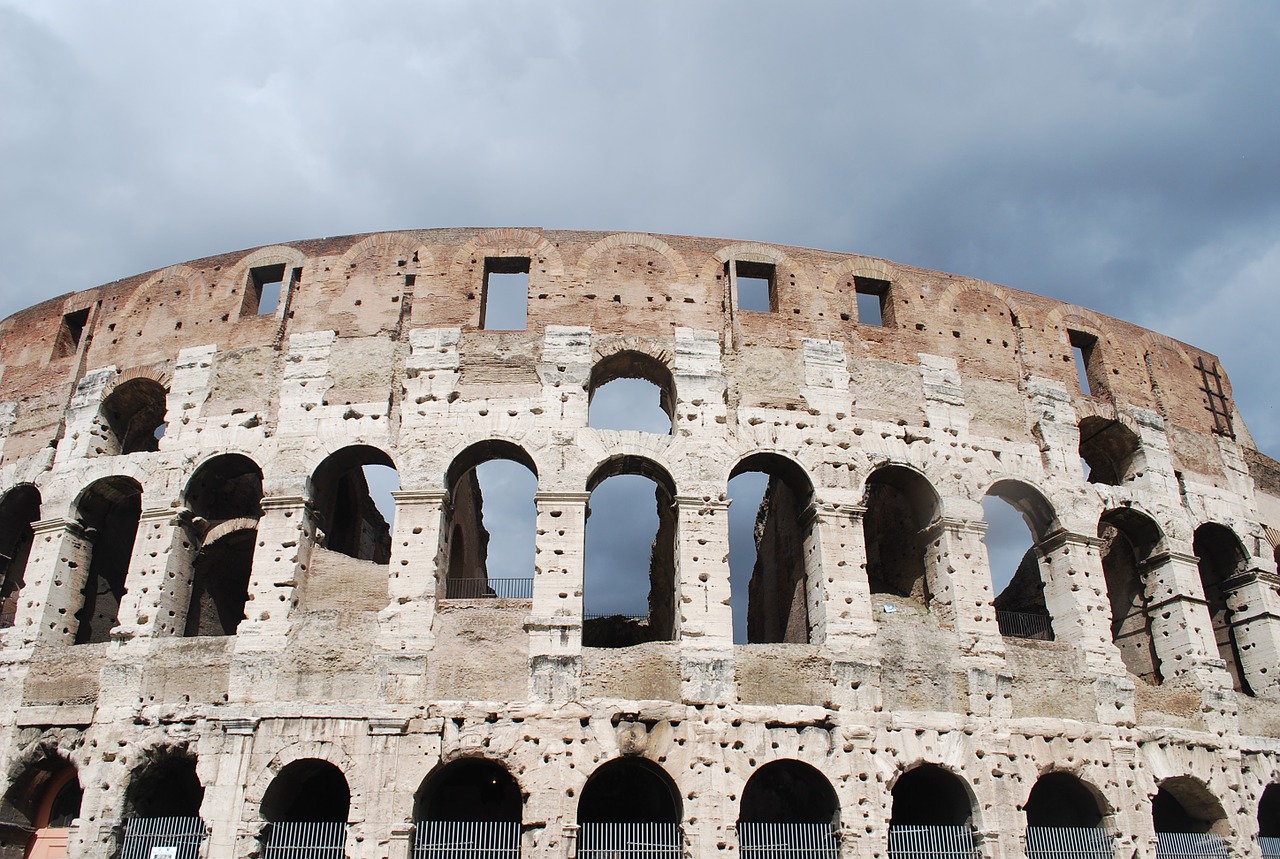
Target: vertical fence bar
<point>1069,842</point>
<point>306,840</point>
<point>1190,845</point>
<point>141,834</point>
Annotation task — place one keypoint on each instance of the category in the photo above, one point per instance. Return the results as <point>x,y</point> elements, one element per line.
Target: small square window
<point>504,304</point>
<point>1085,354</point>
<point>262,293</point>
<point>70,332</point>
<point>872,296</point>
<point>755,285</point>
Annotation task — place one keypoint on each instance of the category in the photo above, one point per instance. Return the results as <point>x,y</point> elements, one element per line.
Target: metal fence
<point>1020,624</point>
<point>488,589</point>
<point>1190,845</point>
<point>787,840</point>
<point>453,839</point>
<point>931,842</point>
<point>629,841</point>
<point>142,834</point>
<point>1069,842</point>
<point>297,840</point>
<point>1270,846</point>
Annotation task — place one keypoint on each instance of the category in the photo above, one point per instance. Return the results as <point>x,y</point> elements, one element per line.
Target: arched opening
<point>629,589</point>
<point>630,390</point>
<point>932,814</point>
<point>108,513</point>
<point>629,806</point>
<point>769,533</point>
<point>788,806</point>
<point>19,508</point>
<point>351,491</point>
<point>39,810</point>
<point>1269,822</point>
<point>492,523</point>
<point>901,505</point>
<point>306,808</point>
<point>162,808</point>
<point>1220,557</point>
<point>1109,450</point>
<point>1188,820</point>
<point>225,500</point>
<point>473,806</point>
<point>1129,538</point>
<point>133,415</point>
<point>1018,517</point>
<point>1063,819</point>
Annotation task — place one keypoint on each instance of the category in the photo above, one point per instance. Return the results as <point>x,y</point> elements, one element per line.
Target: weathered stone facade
<point>264,617</point>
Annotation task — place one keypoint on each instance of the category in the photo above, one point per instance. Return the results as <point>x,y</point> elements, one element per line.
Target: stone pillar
<point>1180,625</point>
<point>1075,592</point>
<point>158,589</point>
<point>414,571</point>
<point>286,533</point>
<point>56,572</point>
<point>705,627</point>
<point>555,623</point>
<point>958,576</point>
<point>1255,625</point>
<point>836,564</point>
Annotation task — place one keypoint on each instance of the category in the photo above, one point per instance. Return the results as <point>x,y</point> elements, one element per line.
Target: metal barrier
<point>1270,846</point>
<point>1190,845</point>
<point>931,842</point>
<point>299,840</point>
<point>143,834</point>
<point>1069,842</point>
<point>787,840</point>
<point>1021,624</point>
<point>488,589</point>
<point>629,841</point>
<point>465,839</point>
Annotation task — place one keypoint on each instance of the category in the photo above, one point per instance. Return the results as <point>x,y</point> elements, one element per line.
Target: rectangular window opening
<point>505,302</point>
<point>755,281</point>
<point>70,332</point>
<point>873,301</point>
<point>1082,348</point>
<point>262,293</point>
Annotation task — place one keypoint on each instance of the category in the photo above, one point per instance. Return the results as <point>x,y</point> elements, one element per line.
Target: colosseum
<point>220,640</point>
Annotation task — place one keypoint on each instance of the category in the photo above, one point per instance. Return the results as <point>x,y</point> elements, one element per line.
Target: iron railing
<point>487,589</point>
<point>629,841</point>
<point>1021,624</point>
<point>931,842</point>
<point>787,840</point>
<point>299,840</point>
<point>1190,845</point>
<point>466,839</point>
<point>1069,842</point>
<point>143,834</point>
<point>596,616</point>
<point>1270,846</point>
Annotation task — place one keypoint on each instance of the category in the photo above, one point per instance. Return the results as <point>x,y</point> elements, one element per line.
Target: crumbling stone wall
<point>887,655</point>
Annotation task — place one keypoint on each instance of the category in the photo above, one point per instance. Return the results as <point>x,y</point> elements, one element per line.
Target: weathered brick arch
<point>417,256</point>
<point>318,750</point>
<point>1017,310</point>
<point>872,267</point>
<point>621,240</point>
<point>236,277</point>
<point>160,377</point>
<point>542,253</point>
<point>181,273</point>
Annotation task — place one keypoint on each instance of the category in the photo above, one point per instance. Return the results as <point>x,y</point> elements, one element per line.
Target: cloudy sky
<point>1123,156</point>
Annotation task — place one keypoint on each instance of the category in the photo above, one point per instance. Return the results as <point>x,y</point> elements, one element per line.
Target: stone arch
<point>1130,538</point>
<point>37,775</point>
<point>542,253</point>
<point>931,794</point>
<point>132,415</point>
<point>107,512</point>
<point>469,788</point>
<point>1021,608</point>
<point>19,509</point>
<point>348,519</point>
<point>1185,804</point>
<point>378,272</point>
<point>629,789</point>
<point>788,791</point>
<point>1269,812</point>
<point>901,505</point>
<point>1060,798</point>
<point>1221,554</point>
<point>632,364</point>
<point>163,783</point>
<point>621,240</point>
<point>1110,448</point>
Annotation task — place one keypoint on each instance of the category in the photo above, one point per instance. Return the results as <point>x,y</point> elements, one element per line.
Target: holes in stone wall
<point>1221,556</point>
<point>1090,375</point>
<point>492,525</point>
<point>265,287</point>
<point>631,391</point>
<point>107,512</point>
<point>874,304</point>
<point>504,304</point>
<point>19,508</point>
<point>754,284</point>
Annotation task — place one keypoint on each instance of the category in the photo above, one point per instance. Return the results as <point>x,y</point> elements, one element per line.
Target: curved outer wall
<point>377,341</point>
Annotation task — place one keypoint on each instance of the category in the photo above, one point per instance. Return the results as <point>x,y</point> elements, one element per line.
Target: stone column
<point>958,575</point>
<point>1075,592</point>
<point>286,533</point>
<point>1180,625</point>
<point>161,568</point>
<point>56,572</point>
<point>705,616</point>
<point>836,564</point>
<point>1255,625</point>
<point>414,571</point>
<point>555,623</point>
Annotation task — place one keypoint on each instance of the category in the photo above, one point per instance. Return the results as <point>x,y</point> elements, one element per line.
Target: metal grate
<point>143,834</point>
<point>1270,846</point>
<point>931,842</point>
<point>1190,845</point>
<point>787,840</point>
<point>299,840</point>
<point>1216,397</point>
<point>455,839</point>
<point>1069,842</point>
<point>1020,624</point>
<point>629,841</point>
<point>482,589</point>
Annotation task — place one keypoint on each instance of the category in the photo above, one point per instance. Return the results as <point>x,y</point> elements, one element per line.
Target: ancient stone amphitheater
<point>215,644</point>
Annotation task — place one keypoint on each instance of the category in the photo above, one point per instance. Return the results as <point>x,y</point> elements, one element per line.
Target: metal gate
<point>931,842</point>
<point>453,839</point>
<point>142,834</point>
<point>787,840</point>
<point>1069,842</point>
<point>1190,845</point>
<point>299,840</point>
<point>629,841</point>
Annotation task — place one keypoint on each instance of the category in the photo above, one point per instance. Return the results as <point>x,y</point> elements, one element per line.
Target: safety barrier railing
<point>787,840</point>
<point>1190,845</point>
<point>931,842</point>
<point>1021,624</point>
<point>299,840</point>
<point>482,589</point>
<point>466,839</point>
<point>179,837</point>
<point>1069,842</point>
<point>629,841</point>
